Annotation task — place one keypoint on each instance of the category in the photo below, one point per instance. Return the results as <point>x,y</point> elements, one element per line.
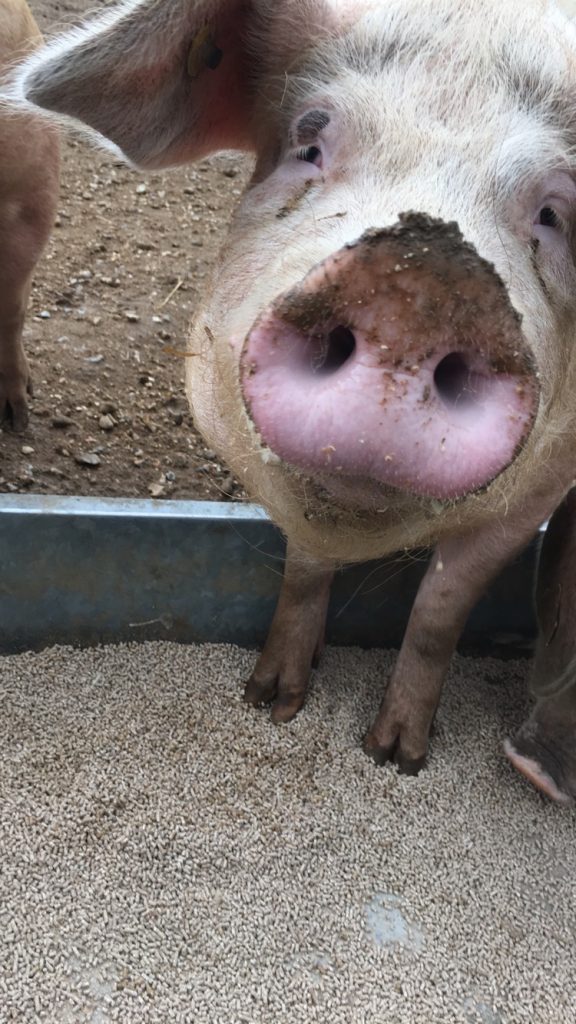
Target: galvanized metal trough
<point>86,571</point>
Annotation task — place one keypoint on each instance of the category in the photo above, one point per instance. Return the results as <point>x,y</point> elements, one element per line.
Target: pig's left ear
<point>166,81</point>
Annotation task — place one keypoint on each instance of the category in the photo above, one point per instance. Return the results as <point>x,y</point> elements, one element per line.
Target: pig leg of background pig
<point>29,165</point>
<point>295,640</point>
<point>545,747</point>
<point>15,383</point>
<point>461,569</point>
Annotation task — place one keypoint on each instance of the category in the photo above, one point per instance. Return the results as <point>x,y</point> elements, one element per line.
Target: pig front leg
<point>460,571</point>
<point>295,640</point>
<point>544,749</point>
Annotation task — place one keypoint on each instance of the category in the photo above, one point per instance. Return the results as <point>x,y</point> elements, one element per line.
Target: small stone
<point>61,422</point>
<point>157,490</point>
<point>27,450</point>
<point>107,422</point>
<point>87,459</point>
<point>180,460</point>
<point>132,316</point>
<point>95,359</point>
<point>141,189</point>
<point>108,409</point>
<point>44,315</point>
<point>227,487</point>
<point>146,246</point>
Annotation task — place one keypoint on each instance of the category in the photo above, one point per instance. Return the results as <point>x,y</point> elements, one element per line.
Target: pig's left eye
<point>311,155</point>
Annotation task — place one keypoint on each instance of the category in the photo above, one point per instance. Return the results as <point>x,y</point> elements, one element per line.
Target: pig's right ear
<point>166,81</point>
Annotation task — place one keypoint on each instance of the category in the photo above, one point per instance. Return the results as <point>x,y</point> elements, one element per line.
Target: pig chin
<point>396,365</point>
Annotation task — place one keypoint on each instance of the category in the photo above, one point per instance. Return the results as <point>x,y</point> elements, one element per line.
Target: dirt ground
<point>109,311</point>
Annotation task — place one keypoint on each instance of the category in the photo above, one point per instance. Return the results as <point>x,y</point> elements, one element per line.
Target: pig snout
<point>398,359</point>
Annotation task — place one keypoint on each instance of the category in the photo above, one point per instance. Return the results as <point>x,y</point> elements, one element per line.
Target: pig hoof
<point>285,704</point>
<point>260,693</point>
<point>13,401</point>
<point>286,707</point>
<point>540,768</point>
<point>15,415</point>
<point>382,754</point>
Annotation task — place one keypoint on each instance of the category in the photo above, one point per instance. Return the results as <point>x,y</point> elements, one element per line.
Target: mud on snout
<point>399,359</point>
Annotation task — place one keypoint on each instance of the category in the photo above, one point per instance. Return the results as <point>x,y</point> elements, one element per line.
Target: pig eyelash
<point>310,154</point>
<point>549,218</point>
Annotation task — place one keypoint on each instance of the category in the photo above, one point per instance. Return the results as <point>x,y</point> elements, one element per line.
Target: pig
<point>385,355</point>
<point>29,182</point>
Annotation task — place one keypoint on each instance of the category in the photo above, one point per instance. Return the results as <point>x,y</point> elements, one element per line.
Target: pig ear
<point>166,81</point>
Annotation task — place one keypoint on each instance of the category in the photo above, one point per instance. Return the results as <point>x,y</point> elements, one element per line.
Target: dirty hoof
<point>260,694</point>
<point>15,387</point>
<point>14,413</point>
<point>285,704</point>
<point>540,767</point>
<point>393,752</point>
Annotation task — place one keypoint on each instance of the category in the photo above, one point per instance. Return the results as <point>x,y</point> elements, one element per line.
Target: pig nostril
<point>333,350</point>
<point>455,381</point>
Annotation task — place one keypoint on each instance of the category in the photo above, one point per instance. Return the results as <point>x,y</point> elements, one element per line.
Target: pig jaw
<point>396,363</point>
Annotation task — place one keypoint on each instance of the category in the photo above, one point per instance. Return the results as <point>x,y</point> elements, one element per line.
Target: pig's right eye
<point>549,218</point>
<point>311,155</point>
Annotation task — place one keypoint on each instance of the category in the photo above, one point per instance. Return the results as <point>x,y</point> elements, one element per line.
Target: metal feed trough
<point>89,571</point>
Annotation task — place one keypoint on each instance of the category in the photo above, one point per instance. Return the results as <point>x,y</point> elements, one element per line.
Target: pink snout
<point>400,360</point>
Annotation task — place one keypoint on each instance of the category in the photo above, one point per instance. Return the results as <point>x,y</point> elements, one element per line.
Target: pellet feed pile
<point>167,855</point>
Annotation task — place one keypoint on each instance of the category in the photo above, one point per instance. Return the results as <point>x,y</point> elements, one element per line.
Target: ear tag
<point>203,53</point>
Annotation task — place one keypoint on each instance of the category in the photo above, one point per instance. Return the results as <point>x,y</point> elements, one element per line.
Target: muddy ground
<point>112,298</point>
